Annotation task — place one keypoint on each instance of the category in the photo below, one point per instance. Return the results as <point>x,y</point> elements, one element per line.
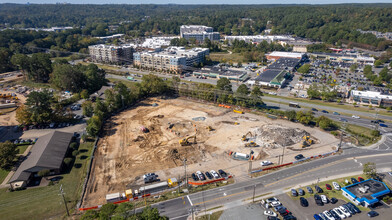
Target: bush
<point>75,153</point>
<point>43,173</point>
<point>67,161</point>
<point>335,133</point>
<point>73,146</point>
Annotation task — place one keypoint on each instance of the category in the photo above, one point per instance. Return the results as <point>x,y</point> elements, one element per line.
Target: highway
<point>350,161</point>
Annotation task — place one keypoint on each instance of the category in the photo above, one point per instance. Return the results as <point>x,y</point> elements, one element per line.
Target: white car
<point>270,213</point>
<point>328,215</point>
<point>339,213</point>
<point>355,116</point>
<point>275,203</point>
<point>324,199</point>
<point>272,199</point>
<point>266,163</point>
<point>215,174</point>
<point>345,211</point>
<point>336,186</point>
<point>390,173</point>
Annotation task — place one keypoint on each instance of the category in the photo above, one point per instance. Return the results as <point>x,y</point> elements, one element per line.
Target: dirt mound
<point>278,136</point>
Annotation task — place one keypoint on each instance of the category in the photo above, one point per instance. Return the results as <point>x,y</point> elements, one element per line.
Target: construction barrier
<point>118,202</point>
<point>208,182</point>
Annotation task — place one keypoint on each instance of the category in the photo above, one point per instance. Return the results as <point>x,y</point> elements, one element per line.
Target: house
<point>366,193</point>
<point>47,154</point>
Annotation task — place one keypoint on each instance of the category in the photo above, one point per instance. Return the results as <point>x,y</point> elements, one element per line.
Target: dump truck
<point>185,141</point>
<point>172,182</point>
<point>129,193</point>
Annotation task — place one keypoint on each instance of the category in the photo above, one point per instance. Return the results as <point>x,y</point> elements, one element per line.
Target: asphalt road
<point>277,182</point>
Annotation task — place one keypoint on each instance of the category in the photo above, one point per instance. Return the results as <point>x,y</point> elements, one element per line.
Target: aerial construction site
<point>158,134</point>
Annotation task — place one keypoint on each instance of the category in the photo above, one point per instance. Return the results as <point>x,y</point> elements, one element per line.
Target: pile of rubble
<point>276,136</point>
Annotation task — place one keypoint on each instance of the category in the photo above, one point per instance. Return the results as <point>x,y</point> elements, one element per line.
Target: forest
<point>327,23</point>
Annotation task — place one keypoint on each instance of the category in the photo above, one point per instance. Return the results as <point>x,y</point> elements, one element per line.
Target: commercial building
<point>278,54</point>
<point>340,57</point>
<point>366,193</point>
<point>288,64</point>
<point>271,78</point>
<point>300,47</point>
<point>173,59</point>
<point>259,38</point>
<point>219,73</point>
<point>371,98</point>
<point>46,154</point>
<point>199,32</point>
<point>111,54</point>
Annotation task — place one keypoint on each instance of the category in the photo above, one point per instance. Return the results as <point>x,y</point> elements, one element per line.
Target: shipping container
<point>153,187</point>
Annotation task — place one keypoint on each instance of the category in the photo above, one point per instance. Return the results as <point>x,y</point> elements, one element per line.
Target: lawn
<point>3,175</point>
<point>214,216</point>
<point>44,202</point>
<point>234,57</point>
<point>22,148</point>
<point>330,193</point>
<point>362,134</point>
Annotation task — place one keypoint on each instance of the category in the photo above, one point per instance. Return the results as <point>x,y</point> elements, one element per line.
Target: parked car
<point>336,186</point>
<point>215,174</point>
<point>360,179</point>
<point>299,157</point>
<point>222,173</point>
<point>334,214</point>
<point>194,177</point>
<point>272,218</point>
<point>266,163</point>
<point>323,216</point>
<point>345,211</point>
<point>209,176</point>
<point>328,215</point>
<point>272,199</point>
<point>355,116</point>
<point>275,203</point>
<point>314,109</point>
<point>334,200</point>
<point>309,189</point>
<point>200,175</point>
<point>372,214</point>
<point>335,113</point>
<point>317,217</point>
<point>383,125</point>
<point>357,210</point>
<point>324,199</point>
<point>270,213</point>
<point>318,200</point>
<point>304,202</point>
<point>349,209</point>
<point>318,189</point>
<point>343,119</point>
<point>301,192</point>
<point>328,186</point>
<point>353,180</point>
<point>324,111</point>
<point>294,192</point>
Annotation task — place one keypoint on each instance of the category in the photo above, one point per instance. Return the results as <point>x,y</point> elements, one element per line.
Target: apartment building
<point>173,59</point>
<point>199,32</point>
<point>112,54</point>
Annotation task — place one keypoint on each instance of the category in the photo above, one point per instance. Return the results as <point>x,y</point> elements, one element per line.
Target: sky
<point>195,2</point>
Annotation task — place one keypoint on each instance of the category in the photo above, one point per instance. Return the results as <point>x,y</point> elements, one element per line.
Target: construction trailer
<point>115,197</point>
<point>153,187</point>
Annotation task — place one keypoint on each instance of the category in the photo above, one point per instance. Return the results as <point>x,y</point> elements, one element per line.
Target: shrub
<point>67,161</point>
<point>75,153</point>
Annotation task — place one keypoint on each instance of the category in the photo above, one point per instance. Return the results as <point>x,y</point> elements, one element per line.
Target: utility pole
<point>341,136</point>
<point>186,177</point>
<point>65,202</point>
<point>283,154</point>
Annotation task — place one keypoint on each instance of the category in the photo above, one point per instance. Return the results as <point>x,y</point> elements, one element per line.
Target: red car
<point>328,186</point>
<point>360,179</point>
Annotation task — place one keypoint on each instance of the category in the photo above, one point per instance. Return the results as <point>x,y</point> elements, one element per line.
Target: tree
<point>23,116</point>
<point>100,109</point>
<point>256,92</point>
<point>370,170</point>
<point>224,84</point>
<point>304,69</point>
<point>377,63</point>
<point>84,94</point>
<point>242,90</point>
<point>5,60</point>
<point>151,214</point>
<point>325,123</point>
<point>8,153</point>
<point>68,77</point>
<point>94,125</point>
<point>107,210</point>
<point>291,115</point>
<point>353,67</point>
<point>87,108</point>
<point>313,92</point>
<point>95,77</point>
<point>304,118</point>
<point>40,66</point>
<point>153,85</point>
<point>38,107</point>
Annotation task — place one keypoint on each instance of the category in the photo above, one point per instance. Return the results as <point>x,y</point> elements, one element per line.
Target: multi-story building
<point>371,98</point>
<point>278,54</point>
<point>199,32</point>
<point>173,59</point>
<point>255,39</point>
<point>111,54</point>
<point>345,57</point>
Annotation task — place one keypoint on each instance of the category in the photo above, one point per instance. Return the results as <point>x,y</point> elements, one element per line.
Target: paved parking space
<point>248,212</point>
<point>306,213</point>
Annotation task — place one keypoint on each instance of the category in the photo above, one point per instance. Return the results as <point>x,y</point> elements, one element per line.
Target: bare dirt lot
<point>125,152</point>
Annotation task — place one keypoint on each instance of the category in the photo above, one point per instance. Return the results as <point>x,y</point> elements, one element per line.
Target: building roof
<point>371,94</point>
<point>268,75</point>
<point>284,63</point>
<point>286,54</point>
<point>367,191</point>
<point>47,153</point>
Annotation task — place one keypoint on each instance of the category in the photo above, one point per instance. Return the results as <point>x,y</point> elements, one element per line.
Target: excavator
<point>185,141</point>
<point>307,141</point>
<point>209,128</point>
<point>245,137</point>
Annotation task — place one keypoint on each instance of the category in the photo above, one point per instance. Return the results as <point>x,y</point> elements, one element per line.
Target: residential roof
<point>268,75</point>
<point>47,153</point>
<point>367,191</point>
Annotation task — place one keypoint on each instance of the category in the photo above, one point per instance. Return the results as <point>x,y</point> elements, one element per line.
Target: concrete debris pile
<point>276,136</point>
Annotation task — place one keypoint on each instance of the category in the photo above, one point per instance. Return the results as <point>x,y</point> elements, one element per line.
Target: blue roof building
<point>366,193</point>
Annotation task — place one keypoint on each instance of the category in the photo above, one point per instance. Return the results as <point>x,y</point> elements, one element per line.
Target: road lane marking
<point>189,200</point>
<point>222,197</point>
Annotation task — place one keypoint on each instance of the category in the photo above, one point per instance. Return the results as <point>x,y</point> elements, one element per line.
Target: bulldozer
<point>251,144</point>
<point>306,141</point>
<point>185,141</point>
<point>245,137</point>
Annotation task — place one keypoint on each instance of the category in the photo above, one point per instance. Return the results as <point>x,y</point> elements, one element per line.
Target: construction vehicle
<point>306,141</point>
<point>185,141</point>
<point>209,128</point>
<point>245,137</point>
<point>251,144</point>
<point>239,112</point>
<point>241,156</point>
<point>144,129</point>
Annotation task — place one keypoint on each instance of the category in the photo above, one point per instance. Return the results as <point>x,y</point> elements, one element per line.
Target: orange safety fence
<point>207,182</point>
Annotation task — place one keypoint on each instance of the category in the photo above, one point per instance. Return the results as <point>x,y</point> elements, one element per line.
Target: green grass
<point>330,193</point>
<point>214,216</point>
<point>234,57</point>
<point>332,104</point>
<point>44,202</point>
<point>126,82</point>
<point>3,175</point>
<point>22,148</point>
<point>362,135</point>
